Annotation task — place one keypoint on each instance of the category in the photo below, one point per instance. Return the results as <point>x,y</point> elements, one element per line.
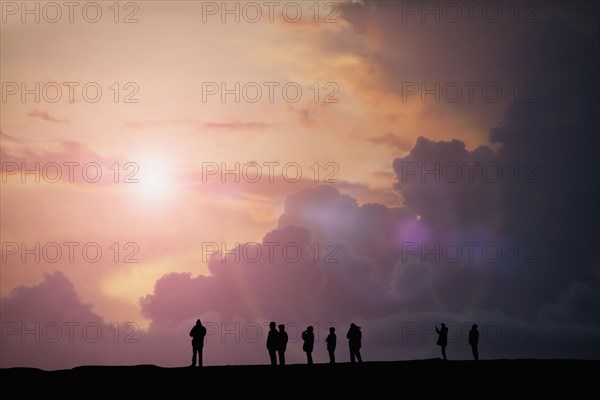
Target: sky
<point>391,164</point>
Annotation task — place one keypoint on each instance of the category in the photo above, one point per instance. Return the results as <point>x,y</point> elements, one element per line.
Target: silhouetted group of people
<point>443,340</point>
<point>277,341</point>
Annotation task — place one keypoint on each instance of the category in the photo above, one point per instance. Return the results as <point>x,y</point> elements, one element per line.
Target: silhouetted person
<point>273,343</point>
<point>442,338</point>
<point>197,333</point>
<point>331,342</point>
<point>282,345</point>
<point>354,336</point>
<point>474,340</point>
<point>309,342</point>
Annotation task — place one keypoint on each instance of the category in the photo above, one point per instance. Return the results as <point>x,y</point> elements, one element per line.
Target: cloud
<point>47,326</point>
<point>159,123</point>
<point>400,44</point>
<point>394,141</point>
<point>577,304</point>
<point>62,161</point>
<point>543,198</point>
<point>255,182</point>
<point>445,184</point>
<point>288,275</point>
<point>44,115</point>
<point>212,125</point>
<point>538,299</point>
<point>524,208</point>
<point>365,194</point>
<point>237,126</point>
<point>305,116</point>
<point>9,138</point>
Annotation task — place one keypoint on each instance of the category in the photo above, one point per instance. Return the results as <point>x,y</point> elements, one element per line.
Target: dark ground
<point>423,378</point>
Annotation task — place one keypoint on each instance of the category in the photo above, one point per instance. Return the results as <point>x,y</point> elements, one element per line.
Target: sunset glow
<point>319,163</point>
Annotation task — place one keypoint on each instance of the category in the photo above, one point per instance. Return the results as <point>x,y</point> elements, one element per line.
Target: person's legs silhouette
<point>194,351</point>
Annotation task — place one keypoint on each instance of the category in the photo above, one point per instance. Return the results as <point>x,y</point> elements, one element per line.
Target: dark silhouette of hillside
<point>514,377</point>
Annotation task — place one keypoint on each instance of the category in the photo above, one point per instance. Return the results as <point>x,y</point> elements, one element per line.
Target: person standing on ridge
<point>197,333</point>
<point>309,342</point>
<point>442,338</point>
<point>474,341</point>
<point>331,343</point>
<point>273,343</point>
<point>283,340</point>
<point>354,336</point>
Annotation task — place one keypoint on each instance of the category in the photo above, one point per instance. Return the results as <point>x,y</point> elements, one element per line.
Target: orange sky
<point>170,132</point>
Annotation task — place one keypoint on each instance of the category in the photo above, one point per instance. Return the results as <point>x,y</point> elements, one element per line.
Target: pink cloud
<point>44,115</point>
<point>158,123</point>
<point>231,125</point>
<point>305,116</point>
<point>237,126</point>
<point>47,326</point>
<point>57,158</point>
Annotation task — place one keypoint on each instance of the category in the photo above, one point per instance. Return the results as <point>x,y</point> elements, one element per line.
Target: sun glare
<point>154,179</point>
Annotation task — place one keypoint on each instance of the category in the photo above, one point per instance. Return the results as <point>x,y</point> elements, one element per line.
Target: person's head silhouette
<point>310,329</point>
<point>281,327</point>
<point>272,325</point>
<point>332,329</point>
<point>198,322</point>
<point>474,327</point>
<point>443,325</point>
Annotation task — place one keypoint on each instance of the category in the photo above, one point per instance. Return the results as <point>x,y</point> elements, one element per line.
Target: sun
<point>155,180</point>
